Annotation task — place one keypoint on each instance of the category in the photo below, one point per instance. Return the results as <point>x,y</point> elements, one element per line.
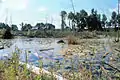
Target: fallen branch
<point>47,49</point>
<point>37,71</point>
<point>112,67</point>
<point>117,49</point>
<point>105,54</point>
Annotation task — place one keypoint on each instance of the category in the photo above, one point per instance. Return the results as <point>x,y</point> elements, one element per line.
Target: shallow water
<point>33,46</point>
<point>50,58</point>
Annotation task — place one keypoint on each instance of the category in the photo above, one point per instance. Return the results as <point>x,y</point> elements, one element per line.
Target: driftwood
<point>37,71</point>
<point>117,49</point>
<point>105,54</point>
<point>46,49</point>
<point>112,67</point>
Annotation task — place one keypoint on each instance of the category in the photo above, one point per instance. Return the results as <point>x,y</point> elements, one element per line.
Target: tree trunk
<point>73,26</point>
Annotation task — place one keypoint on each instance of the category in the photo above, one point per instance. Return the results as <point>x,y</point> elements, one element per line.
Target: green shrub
<point>7,34</point>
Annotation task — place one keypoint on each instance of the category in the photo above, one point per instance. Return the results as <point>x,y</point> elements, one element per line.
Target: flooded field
<point>90,53</point>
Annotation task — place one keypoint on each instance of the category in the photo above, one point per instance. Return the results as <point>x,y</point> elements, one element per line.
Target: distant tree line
<point>38,26</point>
<point>6,26</point>
<point>78,21</point>
<point>26,27</point>
<point>94,21</point>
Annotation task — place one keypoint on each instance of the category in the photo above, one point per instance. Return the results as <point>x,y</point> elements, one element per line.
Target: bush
<point>72,40</point>
<point>7,34</point>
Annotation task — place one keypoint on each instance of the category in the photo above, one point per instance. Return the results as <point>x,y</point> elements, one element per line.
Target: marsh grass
<point>11,70</point>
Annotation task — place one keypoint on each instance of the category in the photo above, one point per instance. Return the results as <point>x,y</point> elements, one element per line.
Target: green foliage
<point>82,20</point>
<point>114,19</point>
<point>30,33</point>
<point>7,34</point>
<point>40,26</point>
<point>63,18</point>
<point>4,26</point>
<point>12,70</point>
<point>104,19</point>
<point>26,27</point>
<point>71,16</point>
<point>49,26</point>
<point>14,27</point>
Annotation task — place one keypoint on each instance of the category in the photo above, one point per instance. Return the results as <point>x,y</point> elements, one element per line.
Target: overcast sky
<point>33,11</point>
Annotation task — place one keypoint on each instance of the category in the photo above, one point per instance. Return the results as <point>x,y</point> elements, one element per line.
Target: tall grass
<point>11,70</point>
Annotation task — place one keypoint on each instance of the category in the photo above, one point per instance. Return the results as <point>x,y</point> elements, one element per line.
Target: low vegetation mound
<point>72,40</point>
<point>7,34</point>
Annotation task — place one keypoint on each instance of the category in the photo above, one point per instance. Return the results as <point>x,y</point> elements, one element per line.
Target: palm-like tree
<point>63,17</point>
<point>104,19</point>
<point>114,20</point>
<point>71,18</point>
<point>83,18</point>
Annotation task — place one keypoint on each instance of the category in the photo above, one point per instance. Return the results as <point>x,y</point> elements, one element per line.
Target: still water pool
<point>34,47</point>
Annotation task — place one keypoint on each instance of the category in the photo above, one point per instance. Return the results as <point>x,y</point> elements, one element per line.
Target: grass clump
<point>72,40</point>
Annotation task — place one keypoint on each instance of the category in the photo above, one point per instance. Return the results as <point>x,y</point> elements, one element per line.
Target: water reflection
<point>33,46</point>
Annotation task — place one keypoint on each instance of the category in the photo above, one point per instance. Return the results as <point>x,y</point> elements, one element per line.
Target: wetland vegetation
<point>86,47</point>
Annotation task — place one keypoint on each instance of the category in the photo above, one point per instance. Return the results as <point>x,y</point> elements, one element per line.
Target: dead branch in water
<point>117,49</point>
<point>47,49</point>
<point>112,67</point>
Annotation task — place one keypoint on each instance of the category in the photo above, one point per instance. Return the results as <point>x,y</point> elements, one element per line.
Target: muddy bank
<point>96,49</point>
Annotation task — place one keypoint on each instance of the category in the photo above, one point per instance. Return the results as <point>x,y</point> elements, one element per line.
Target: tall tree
<point>104,20</point>
<point>77,20</point>
<point>71,17</point>
<point>83,19</point>
<point>118,18</point>
<point>63,18</point>
<point>114,19</point>
<point>22,24</point>
<point>94,21</point>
